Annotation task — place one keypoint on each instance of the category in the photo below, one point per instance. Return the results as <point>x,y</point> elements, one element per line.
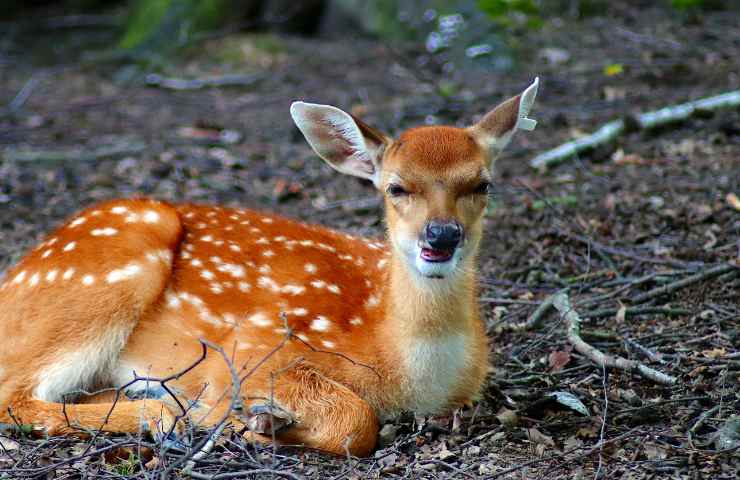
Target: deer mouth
<point>436,256</point>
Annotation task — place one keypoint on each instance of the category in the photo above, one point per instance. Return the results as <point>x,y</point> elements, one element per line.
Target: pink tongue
<point>435,255</point>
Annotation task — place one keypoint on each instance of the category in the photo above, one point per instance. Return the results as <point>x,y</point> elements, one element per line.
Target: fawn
<point>337,333</point>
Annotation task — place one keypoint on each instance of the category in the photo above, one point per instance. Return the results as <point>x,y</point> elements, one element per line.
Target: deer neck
<point>424,308</point>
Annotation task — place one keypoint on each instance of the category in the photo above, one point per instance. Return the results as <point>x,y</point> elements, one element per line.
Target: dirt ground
<point>650,210</point>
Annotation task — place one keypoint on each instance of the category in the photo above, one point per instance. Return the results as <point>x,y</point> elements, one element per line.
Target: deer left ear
<point>495,129</point>
<point>344,142</point>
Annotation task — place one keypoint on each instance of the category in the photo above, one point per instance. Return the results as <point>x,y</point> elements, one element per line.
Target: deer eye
<point>395,190</point>
<point>483,188</point>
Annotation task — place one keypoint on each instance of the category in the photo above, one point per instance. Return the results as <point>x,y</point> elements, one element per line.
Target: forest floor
<point>650,210</point>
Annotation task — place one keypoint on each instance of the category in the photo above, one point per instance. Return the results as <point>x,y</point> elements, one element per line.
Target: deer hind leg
<point>150,417</point>
<point>306,408</point>
<point>68,308</point>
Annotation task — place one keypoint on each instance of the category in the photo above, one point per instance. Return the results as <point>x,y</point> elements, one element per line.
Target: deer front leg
<point>303,407</point>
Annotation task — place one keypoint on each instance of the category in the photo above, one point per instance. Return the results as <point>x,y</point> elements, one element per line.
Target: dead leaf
<point>714,353</point>
<point>539,438</point>
<point>507,418</point>
<point>8,444</point>
<point>558,359</point>
<point>588,432</point>
<point>733,201</point>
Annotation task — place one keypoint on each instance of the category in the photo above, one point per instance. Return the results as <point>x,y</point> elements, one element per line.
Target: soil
<point>650,209</point>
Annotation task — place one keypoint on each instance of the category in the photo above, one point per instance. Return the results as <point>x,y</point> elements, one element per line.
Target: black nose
<point>443,236</point>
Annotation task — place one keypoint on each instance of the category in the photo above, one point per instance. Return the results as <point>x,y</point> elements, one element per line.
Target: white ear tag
<point>525,104</point>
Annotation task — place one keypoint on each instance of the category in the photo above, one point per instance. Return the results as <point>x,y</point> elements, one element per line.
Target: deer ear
<point>344,142</point>
<point>495,129</point>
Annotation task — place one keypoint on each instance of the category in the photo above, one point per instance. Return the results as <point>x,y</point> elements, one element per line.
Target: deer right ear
<point>495,129</point>
<point>344,142</point>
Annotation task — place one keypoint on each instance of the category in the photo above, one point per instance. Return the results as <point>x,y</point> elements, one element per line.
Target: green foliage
<point>164,25</point>
<point>687,4</point>
<point>128,466</point>
<point>506,12</point>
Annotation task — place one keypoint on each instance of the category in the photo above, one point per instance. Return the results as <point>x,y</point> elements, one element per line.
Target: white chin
<point>437,269</point>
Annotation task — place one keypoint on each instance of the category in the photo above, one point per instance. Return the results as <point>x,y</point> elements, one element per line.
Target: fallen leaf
<point>558,359</point>
<point>539,438</point>
<point>715,353</point>
<point>569,400</point>
<point>613,69</point>
<point>733,201</point>
<point>507,418</point>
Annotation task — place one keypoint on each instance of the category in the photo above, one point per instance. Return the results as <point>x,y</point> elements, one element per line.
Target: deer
<point>338,333</point>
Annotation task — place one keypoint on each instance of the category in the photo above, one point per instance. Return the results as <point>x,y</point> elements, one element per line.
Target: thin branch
<point>685,282</point>
<point>611,130</point>
<point>573,327</point>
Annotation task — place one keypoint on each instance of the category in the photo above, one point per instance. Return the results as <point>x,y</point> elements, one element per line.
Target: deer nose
<point>443,235</point>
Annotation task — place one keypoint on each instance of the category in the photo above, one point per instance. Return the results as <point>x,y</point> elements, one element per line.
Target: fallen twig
<point>685,282</point>
<point>611,130</point>
<point>535,320</point>
<point>156,80</point>
<point>573,325</point>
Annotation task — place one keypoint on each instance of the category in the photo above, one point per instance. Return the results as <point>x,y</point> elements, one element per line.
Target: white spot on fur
<point>77,222</point>
<point>34,280</point>
<point>88,280</point>
<point>70,246</point>
<point>293,289</point>
<point>52,275</point>
<point>318,283</point>
<point>46,253</point>
<point>126,273</point>
<point>266,220</point>
<point>103,232</point>
<point>333,289</point>
<point>244,287</point>
<point>382,262</point>
<point>320,324</point>
<point>172,300</point>
<point>69,273</point>
<point>328,344</point>
<point>268,284</point>
<point>236,271</point>
<point>150,216</point>
<point>259,319</point>
<point>265,269</point>
<point>355,321</point>
<point>19,278</point>
<point>372,301</point>
<point>207,274</point>
<point>262,241</point>
<point>235,248</point>
<point>119,210</point>
<point>206,238</point>
<point>268,253</point>
<point>299,312</point>
<point>196,263</point>
<point>310,268</point>
<point>306,243</point>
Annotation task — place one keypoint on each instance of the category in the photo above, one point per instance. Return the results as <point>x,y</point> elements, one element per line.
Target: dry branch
<point>611,130</point>
<point>685,282</point>
<point>155,80</point>
<point>573,326</point>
